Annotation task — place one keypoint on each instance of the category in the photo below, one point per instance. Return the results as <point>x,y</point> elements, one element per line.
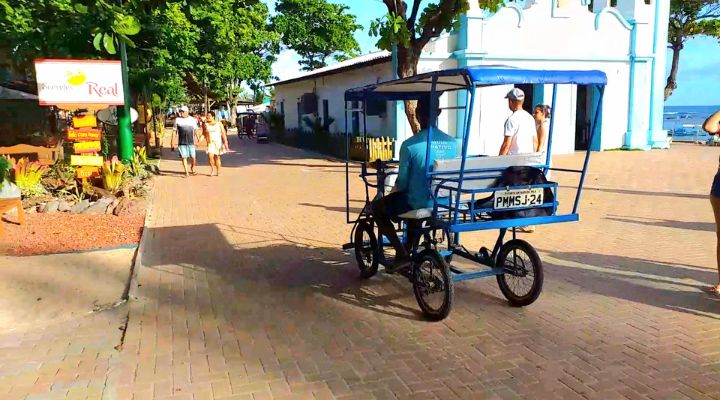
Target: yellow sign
<point>84,121</point>
<point>84,134</point>
<point>85,172</point>
<point>90,161</point>
<point>86,147</point>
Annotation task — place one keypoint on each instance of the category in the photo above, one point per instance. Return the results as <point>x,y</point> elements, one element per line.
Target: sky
<point>698,75</point>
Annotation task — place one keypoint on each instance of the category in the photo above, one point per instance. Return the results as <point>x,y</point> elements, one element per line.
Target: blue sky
<point>698,82</point>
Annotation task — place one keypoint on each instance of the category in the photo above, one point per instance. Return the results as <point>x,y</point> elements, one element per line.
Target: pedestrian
<point>542,114</point>
<point>712,126</point>
<point>185,128</point>
<point>216,138</point>
<point>520,133</point>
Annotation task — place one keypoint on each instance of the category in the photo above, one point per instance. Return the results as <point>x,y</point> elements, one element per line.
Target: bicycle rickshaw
<point>460,188</point>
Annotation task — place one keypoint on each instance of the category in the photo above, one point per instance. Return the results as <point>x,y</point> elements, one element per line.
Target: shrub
<point>28,175</point>
<point>113,175</point>
<point>4,169</point>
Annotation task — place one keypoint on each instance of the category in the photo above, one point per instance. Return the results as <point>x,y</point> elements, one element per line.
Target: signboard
<point>109,115</point>
<point>85,172</point>
<point>86,147</point>
<point>86,161</point>
<point>84,121</point>
<point>79,82</point>
<point>83,134</point>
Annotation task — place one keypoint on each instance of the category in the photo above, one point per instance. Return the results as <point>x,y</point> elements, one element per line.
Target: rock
<point>31,210</point>
<point>99,207</point>
<point>63,206</point>
<point>80,207</point>
<point>41,207</point>
<point>122,205</point>
<point>133,207</point>
<point>111,208</point>
<point>9,191</point>
<point>52,207</point>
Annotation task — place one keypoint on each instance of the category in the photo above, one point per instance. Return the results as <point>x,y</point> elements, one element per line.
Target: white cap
<point>184,109</point>
<point>515,94</point>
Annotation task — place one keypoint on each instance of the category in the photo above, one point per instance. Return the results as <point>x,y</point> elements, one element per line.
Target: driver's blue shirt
<point>411,175</point>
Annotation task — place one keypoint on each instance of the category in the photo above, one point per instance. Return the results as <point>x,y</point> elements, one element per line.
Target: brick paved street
<point>243,293</point>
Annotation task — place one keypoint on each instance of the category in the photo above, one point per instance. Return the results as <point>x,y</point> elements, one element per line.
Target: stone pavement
<point>243,293</point>
<point>60,323</point>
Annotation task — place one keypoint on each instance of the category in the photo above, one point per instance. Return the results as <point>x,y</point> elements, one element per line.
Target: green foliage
<point>113,175</point>
<point>27,176</point>
<point>316,30</point>
<point>689,19</point>
<point>62,171</point>
<point>4,169</point>
<point>138,163</point>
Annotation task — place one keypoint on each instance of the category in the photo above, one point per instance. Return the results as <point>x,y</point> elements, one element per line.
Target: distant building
<point>627,42</point>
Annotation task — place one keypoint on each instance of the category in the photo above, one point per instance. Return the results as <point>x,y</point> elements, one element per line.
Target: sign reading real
<point>79,82</point>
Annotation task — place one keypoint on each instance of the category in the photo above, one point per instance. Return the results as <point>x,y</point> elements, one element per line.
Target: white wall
<point>332,88</point>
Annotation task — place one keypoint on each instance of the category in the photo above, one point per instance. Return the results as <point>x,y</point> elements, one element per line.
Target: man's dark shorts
<point>393,204</point>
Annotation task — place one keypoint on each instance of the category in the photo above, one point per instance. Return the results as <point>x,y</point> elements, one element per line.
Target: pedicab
<point>470,193</point>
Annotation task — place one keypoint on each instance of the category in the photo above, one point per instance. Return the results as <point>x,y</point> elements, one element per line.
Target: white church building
<point>626,41</point>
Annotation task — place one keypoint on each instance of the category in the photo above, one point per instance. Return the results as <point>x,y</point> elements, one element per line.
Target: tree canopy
<point>316,30</point>
<point>177,47</point>
<point>689,18</point>
<point>411,29</point>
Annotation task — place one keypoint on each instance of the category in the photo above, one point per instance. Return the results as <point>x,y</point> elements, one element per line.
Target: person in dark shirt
<point>186,131</point>
<point>712,127</point>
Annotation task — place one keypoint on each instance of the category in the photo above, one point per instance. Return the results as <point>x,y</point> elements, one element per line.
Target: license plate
<point>519,198</point>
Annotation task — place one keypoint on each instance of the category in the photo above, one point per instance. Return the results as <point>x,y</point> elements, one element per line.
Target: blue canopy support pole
<point>593,132</point>
<point>466,140</point>
<point>552,129</point>
<point>347,168</point>
<point>431,125</point>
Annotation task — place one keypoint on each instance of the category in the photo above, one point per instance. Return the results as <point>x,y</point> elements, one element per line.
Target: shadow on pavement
<point>273,272</point>
<point>639,192</point>
<point>692,226</point>
<point>672,286</point>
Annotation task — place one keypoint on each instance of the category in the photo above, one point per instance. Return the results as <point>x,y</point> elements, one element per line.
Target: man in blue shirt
<point>412,188</point>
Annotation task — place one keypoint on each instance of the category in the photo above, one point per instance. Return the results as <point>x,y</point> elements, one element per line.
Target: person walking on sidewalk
<point>185,129</point>
<point>712,126</point>
<point>216,138</point>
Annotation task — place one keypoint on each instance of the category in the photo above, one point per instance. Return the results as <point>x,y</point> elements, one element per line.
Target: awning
<point>11,94</point>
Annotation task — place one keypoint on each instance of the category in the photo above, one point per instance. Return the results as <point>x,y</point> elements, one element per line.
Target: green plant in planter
<point>113,175</point>
<point>138,163</point>
<point>28,175</point>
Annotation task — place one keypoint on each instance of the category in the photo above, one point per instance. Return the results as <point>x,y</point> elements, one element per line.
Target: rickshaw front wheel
<point>432,285</point>
<point>367,251</point>
<point>522,280</point>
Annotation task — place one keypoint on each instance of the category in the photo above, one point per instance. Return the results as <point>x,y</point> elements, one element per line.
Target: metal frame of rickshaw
<point>459,215</point>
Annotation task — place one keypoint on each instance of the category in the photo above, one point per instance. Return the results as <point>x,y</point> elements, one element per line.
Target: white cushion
<point>498,163</point>
<point>420,213</point>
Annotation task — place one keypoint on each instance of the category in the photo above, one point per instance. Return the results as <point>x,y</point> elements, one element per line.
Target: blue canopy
<point>462,78</point>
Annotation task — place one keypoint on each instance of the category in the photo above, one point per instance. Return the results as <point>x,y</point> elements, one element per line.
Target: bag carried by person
<point>519,176</point>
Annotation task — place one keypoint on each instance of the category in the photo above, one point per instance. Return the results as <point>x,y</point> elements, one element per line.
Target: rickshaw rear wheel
<point>367,251</point>
<point>522,281</point>
<point>431,277</point>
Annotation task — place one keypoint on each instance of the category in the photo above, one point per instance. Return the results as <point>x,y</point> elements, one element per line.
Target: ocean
<point>685,122</point>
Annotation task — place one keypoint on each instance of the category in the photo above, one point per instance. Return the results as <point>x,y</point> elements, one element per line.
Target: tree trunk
<point>671,84</point>
<point>407,66</point>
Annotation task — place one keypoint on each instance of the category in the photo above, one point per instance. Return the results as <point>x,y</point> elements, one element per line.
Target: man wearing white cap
<point>185,129</point>
<point>520,131</point>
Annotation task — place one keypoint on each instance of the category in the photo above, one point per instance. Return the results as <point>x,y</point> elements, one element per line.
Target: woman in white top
<point>542,123</point>
<point>216,138</point>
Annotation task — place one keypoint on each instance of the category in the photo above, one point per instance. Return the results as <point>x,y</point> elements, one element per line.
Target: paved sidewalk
<point>243,293</point>
<point>60,323</point>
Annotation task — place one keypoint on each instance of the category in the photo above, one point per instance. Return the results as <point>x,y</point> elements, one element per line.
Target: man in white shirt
<point>520,131</point>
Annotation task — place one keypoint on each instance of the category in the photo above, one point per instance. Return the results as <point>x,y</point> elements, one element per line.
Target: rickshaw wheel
<point>367,252</point>
<point>431,278</point>
<point>523,278</point>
